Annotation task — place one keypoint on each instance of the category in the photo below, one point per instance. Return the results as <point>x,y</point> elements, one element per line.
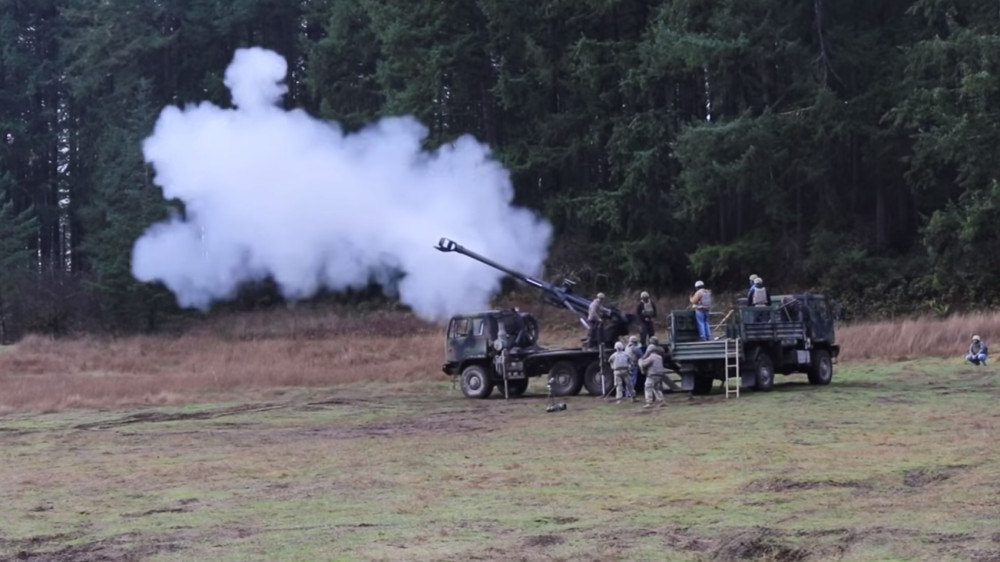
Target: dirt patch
<point>155,511</point>
<point>4,431</point>
<point>786,485</point>
<point>122,548</point>
<point>557,520</point>
<point>544,540</point>
<point>756,544</point>
<point>919,477</point>
<point>153,417</point>
<point>443,423</point>
<point>892,400</point>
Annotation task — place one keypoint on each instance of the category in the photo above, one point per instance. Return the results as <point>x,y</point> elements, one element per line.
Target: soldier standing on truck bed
<point>758,295</point>
<point>702,301</point>
<point>594,321</point>
<point>646,313</point>
<point>619,365</point>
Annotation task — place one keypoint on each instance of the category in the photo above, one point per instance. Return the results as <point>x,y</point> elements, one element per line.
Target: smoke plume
<point>280,194</point>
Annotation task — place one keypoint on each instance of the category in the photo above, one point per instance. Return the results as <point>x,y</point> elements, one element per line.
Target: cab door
<point>466,340</point>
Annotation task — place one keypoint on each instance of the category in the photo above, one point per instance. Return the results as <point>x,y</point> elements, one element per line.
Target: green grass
<point>890,462</point>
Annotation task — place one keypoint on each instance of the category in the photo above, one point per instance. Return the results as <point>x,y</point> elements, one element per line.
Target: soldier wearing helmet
<point>646,313</point>
<point>977,351</point>
<point>619,365</point>
<point>635,351</point>
<point>702,302</point>
<point>668,360</point>
<point>652,365</point>
<point>594,321</point>
<point>758,295</point>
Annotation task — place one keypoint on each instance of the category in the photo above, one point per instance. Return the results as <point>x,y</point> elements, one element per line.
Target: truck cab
<point>498,349</point>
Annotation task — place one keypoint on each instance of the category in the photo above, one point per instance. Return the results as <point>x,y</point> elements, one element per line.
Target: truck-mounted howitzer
<point>615,323</point>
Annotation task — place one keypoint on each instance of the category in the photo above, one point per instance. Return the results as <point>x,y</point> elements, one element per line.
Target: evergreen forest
<point>848,147</point>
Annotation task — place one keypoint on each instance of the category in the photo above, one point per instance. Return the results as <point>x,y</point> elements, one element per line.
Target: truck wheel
<point>702,384</point>
<point>821,371</point>
<point>476,383</point>
<point>514,387</point>
<point>566,380</point>
<point>764,367</point>
<point>592,378</point>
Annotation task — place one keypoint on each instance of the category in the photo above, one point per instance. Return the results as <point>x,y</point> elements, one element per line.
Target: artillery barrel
<point>446,245</point>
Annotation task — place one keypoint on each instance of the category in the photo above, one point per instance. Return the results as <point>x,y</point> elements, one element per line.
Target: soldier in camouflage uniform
<point>619,365</point>
<point>652,365</point>
<point>635,351</point>
<point>668,361</point>
<point>646,313</point>
<point>594,321</point>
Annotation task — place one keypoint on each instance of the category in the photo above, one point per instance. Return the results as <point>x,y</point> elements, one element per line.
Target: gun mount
<point>615,323</point>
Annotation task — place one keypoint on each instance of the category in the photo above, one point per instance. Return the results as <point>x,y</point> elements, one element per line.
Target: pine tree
<point>17,257</point>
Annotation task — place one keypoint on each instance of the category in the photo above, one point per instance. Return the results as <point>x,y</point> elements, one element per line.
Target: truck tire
<point>702,384</point>
<point>592,380</point>
<point>821,370</point>
<point>476,382</point>
<point>566,379</point>
<point>764,372</point>
<point>514,387</point>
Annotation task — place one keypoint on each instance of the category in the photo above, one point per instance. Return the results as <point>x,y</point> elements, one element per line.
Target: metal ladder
<point>732,362</point>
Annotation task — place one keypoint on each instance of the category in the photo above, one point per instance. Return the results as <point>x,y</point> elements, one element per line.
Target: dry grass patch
<point>229,354</point>
<point>923,336</point>
<point>317,347</point>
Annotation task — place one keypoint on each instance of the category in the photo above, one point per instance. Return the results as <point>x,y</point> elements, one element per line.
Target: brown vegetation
<point>912,338</point>
<point>239,352</point>
<point>317,347</point>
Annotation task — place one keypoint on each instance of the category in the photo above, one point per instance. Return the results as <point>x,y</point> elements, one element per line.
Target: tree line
<point>847,147</point>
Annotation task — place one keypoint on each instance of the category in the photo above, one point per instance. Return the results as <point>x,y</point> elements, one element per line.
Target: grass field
<point>893,461</point>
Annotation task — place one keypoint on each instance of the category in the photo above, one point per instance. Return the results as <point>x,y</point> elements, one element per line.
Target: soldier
<point>652,365</point>
<point>668,360</point>
<point>702,302</point>
<point>619,365</point>
<point>594,321</point>
<point>758,295</point>
<point>646,313</point>
<point>977,351</point>
<point>635,351</point>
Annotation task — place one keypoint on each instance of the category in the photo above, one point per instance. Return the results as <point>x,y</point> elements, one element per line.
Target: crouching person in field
<point>619,365</point>
<point>977,351</point>
<point>652,365</point>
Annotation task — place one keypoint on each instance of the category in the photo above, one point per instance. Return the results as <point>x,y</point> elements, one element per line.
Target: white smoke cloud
<point>275,193</point>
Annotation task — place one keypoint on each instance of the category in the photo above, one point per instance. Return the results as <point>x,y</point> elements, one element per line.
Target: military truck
<point>499,348</point>
<point>793,334</point>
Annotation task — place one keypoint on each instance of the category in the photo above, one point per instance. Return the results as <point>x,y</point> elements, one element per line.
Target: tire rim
<point>475,382</point>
